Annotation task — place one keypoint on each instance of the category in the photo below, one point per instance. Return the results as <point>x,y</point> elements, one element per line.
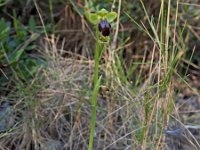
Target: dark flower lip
<point>104,27</point>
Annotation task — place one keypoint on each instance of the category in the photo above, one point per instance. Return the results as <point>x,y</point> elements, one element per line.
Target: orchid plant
<point>102,21</point>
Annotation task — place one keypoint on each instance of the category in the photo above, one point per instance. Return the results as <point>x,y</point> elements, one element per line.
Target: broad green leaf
<point>111,16</point>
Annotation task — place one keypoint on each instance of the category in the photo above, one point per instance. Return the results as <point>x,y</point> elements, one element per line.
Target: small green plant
<point>16,49</point>
<point>103,18</point>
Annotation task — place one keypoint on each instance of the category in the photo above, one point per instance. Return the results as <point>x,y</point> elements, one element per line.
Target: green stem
<point>96,67</point>
<point>93,119</point>
<point>96,82</point>
<point>51,13</point>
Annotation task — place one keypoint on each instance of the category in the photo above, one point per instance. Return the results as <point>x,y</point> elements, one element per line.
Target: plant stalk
<point>96,82</point>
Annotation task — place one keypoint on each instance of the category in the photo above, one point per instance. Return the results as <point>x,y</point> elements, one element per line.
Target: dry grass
<point>53,111</point>
<point>57,114</point>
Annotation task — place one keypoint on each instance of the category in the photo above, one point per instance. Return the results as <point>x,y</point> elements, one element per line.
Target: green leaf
<point>111,16</point>
<point>32,23</point>
<point>94,18</point>
<point>95,92</point>
<point>4,30</point>
<point>3,2</point>
<point>14,57</point>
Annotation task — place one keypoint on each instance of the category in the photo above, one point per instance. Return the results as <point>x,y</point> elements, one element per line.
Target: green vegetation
<point>64,85</point>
